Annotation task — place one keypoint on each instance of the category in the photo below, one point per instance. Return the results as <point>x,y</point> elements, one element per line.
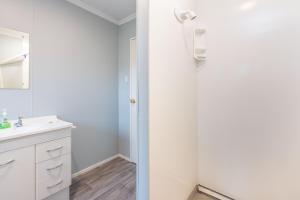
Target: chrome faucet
<point>19,123</point>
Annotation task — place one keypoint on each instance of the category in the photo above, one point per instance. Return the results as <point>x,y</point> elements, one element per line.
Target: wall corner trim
<point>98,164</point>
<point>213,193</point>
<point>127,19</point>
<point>124,157</point>
<point>95,11</point>
<point>101,14</point>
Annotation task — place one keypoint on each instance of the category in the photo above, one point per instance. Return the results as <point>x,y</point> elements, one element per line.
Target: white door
<point>133,102</point>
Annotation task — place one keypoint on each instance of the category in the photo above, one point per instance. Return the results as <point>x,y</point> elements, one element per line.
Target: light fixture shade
<point>183,15</point>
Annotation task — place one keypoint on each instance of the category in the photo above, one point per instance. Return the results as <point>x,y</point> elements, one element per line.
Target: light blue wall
<point>74,63</point>
<point>18,15</point>
<point>126,32</point>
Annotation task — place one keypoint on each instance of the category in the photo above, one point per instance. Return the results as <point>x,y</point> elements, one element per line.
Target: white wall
<point>249,99</point>
<point>172,103</point>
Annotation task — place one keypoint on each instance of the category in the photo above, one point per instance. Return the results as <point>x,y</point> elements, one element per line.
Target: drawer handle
<point>7,163</point>
<point>56,149</point>
<point>58,166</point>
<point>56,184</point>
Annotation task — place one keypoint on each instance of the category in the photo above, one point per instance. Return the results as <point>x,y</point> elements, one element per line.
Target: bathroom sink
<point>33,126</point>
<point>15,131</point>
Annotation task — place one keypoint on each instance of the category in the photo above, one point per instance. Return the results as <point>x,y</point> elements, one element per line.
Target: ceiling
<point>116,11</point>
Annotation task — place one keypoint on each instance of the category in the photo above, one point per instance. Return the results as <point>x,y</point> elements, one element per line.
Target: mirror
<point>14,59</point>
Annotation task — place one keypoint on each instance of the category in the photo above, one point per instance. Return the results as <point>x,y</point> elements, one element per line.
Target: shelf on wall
<point>18,58</point>
<point>199,48</point>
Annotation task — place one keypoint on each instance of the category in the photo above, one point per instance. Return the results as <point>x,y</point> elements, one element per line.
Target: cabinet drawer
<point>46,189</point>
<point>54,169</point>
<point>53,175</point>
<point>17,174</point>
<point>53,149</point>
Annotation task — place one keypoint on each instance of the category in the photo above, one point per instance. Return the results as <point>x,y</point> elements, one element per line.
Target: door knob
<point>132,101</point>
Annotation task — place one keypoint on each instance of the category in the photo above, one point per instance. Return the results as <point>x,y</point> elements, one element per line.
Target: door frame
<point>133,137</point>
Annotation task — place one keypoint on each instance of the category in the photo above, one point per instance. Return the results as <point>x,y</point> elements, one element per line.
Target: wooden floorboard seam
<point>115,180</point>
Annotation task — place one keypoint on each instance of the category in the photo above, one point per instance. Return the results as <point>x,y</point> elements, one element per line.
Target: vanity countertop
<point>32,126</point>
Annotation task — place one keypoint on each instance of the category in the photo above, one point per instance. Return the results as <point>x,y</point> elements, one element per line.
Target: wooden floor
<point>115,180</point>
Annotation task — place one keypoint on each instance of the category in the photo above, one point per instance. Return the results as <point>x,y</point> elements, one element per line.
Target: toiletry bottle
<point>5,123</point>
<point>1,121</point>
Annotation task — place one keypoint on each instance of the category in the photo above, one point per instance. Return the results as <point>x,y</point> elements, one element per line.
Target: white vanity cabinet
<point>53,168</point>
<point>35,160</point>
<point>17,174</point>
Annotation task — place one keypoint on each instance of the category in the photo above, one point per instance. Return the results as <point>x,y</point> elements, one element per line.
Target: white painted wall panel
<point>172,103</point>
<point>249,99</point>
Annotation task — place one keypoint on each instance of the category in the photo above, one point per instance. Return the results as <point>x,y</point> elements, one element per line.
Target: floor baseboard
<point>124,157</point>
<point>213,193</point>
<point>95,166</point>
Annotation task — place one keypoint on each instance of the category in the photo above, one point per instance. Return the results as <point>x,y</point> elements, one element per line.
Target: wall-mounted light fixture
<point>183,15</point>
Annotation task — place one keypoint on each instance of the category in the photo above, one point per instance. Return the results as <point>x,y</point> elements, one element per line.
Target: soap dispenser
<point>5,123</point>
